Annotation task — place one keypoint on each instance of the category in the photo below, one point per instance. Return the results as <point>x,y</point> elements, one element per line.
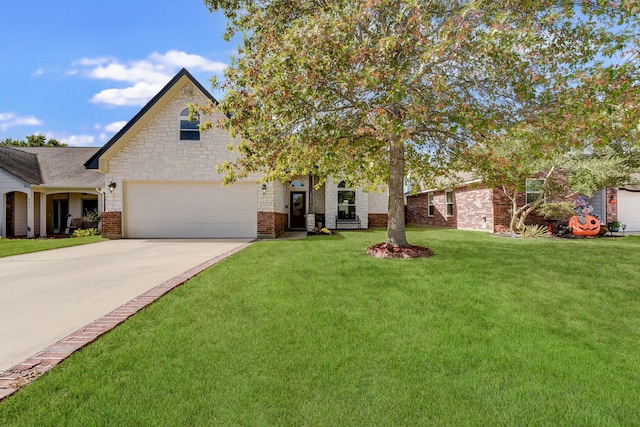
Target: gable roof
<point>64,166</point>
<point>454,180</point>
<point>94,161</point>
<point>20,164</point>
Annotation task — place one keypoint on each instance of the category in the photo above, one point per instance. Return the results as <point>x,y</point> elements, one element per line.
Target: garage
<point>189,210</point>
<point>629,208</point>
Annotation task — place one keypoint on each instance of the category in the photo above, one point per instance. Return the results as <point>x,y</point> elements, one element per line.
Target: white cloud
<point>72,140</point>
<point>138,94</point>
<point>175,58</point>
<point>79,140</point>
<point>115,126</point>
<point>145,77</point>
<point>9,120</point>
<point>107,131</point>
<point>135,73</point>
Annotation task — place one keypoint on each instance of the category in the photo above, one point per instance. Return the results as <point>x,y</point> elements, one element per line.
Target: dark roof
<point>51,166</point>
<point>20,164</point>
<point>92,163</point>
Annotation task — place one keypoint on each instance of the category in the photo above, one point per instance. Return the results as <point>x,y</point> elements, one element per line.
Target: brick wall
<point>417,210</point>
<point>502,209</point>
<point>112,225</point>
<point>271,224</point>
<point>378,220</point>
<point>473,208</point>
<point>612,208</point>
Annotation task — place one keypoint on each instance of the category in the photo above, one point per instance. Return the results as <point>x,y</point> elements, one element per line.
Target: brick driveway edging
<point>40,363</point>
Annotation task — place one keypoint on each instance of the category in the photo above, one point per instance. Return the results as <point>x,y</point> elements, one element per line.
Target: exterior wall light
<point>112,187</point>
<point>264,188</point>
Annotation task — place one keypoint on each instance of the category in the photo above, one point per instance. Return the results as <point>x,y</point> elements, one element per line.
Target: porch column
<point>3,209</point>
<point>101,207</point>
<point>30,215</point>
<point>43,215</point>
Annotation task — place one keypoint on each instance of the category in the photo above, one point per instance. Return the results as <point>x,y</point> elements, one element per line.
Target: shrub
<point>92,215</point>
<point>534,231</point>
<point>558,210</point>
<point>86,233</point>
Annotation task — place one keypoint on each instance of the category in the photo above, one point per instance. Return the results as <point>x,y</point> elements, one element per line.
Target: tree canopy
<point>35,140</point>
<point>369,90</point>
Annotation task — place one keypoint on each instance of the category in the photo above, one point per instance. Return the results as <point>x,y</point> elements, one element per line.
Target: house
<point>41,186</point>
<point>160,181</point>
<point>469,205</point>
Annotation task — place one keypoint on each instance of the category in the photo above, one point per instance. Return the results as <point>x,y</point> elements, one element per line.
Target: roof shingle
<point>51,166</point>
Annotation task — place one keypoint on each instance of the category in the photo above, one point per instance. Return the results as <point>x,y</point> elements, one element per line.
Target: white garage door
<point>629,209</point>
<point>190,210</point>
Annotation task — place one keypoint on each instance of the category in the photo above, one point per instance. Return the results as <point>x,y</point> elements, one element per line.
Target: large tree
<point>369,90</point>
<point>35,140</point>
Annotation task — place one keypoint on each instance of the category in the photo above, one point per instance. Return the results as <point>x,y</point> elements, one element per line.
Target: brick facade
<point>479,208</point>
<point>612,205</point>
<point>417,211</point>
<point>271,224</point>
<point>378,220</point>
<point>112,225</point>
<point>473,208</point>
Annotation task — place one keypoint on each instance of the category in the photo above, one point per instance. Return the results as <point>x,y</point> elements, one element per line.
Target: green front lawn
<point>490,331</point>
<point>10,247</point>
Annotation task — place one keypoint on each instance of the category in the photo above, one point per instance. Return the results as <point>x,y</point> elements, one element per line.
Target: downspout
<point>104,206</point>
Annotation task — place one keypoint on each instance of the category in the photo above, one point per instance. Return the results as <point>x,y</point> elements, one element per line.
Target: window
<point>297,184</point>
<point>449,198</point>
<point>189,130</point>
<point>533,189</point>
<point>89,205</point>
<point>431,206</point>
<point>346,202</point>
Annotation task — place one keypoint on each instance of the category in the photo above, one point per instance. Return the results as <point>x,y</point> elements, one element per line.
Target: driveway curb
<point>33,367</point>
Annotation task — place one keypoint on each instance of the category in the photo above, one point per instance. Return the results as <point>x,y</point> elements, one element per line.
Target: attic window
<point>189,130</point>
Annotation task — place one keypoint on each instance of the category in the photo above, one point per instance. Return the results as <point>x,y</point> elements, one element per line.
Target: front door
<point>60,212</point>
<point>297,211</point>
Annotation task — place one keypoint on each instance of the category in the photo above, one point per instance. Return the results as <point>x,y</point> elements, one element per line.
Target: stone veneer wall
<point>331,204</point>
<point>157,154</point>
<point>112,225</point>
<point>271,224</point>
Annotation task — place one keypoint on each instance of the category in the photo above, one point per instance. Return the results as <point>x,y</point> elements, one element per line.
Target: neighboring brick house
<point>472,206</point>
<point>160,181</point>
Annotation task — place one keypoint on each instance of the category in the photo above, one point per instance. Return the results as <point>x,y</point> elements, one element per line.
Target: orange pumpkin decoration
<point>591,227</point>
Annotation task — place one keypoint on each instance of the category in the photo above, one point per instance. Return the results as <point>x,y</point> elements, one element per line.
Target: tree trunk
<point>396,233</point>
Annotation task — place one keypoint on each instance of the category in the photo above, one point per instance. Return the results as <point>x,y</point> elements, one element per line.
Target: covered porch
<point>41,212</point>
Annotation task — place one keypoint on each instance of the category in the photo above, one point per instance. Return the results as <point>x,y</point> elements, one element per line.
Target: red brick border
<point>23,373</point>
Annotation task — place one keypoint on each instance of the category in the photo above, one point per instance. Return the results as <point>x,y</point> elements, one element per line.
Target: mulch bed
<point>384,250</point>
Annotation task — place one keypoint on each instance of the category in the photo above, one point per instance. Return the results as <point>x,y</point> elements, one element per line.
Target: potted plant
<point>614,226</point>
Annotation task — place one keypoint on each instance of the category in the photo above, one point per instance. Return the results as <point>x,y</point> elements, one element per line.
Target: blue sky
<point>78,70</point>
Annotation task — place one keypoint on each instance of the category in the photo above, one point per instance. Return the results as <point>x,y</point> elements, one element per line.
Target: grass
<point>490,331</point>
<point>10,247</point>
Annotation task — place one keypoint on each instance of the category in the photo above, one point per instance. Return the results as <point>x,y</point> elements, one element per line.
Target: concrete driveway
<point>46,296</point>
